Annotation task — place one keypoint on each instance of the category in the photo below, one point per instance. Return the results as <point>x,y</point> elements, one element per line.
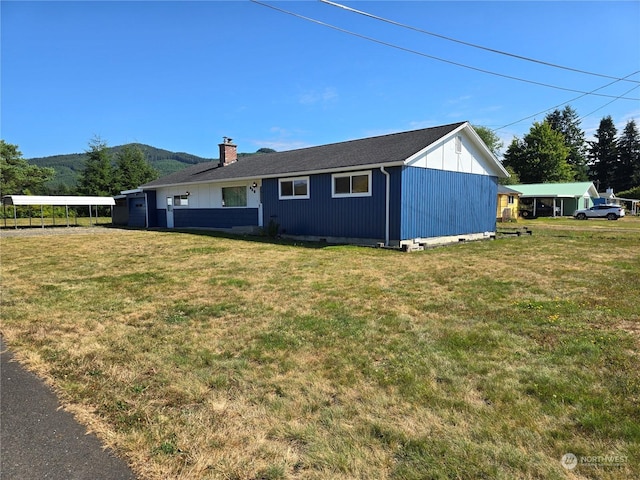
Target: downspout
<point>387,201</point>
<point>146,210</point>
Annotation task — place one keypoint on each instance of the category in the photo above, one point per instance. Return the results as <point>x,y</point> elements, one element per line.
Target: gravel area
<point>48,231</point>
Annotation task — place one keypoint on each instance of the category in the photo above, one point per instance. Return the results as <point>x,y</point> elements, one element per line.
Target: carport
<point>54,201</point>
<point>554,199</point>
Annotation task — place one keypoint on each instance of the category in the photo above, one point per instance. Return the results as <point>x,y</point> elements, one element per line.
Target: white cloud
<point>312,97</point>
<point>281,140</point>
<point>460,99</point>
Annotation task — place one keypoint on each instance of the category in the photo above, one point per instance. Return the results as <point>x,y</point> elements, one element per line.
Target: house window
<point>234,196</point>
<point>458,144</point>
<point>294,188</point>
<point>511,200</point>
<point>181,200</point>
<point>351,184</point>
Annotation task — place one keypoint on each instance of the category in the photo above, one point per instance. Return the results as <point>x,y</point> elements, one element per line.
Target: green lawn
<point>200,356</point>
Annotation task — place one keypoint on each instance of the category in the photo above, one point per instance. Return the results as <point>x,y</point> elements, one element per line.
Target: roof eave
<point>353,168</point>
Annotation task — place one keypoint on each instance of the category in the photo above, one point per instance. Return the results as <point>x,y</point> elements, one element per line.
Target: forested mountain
<point>68,167</point>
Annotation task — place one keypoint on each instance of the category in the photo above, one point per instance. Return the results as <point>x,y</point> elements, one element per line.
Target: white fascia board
<point>548,195</point>
<point>478,141</point>
<point>592,191</point>
<point>493,164</point>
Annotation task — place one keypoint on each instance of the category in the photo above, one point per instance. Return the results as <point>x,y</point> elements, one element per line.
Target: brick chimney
<point>228,151</point>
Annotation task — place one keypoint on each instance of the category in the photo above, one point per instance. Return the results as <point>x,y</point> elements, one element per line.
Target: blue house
<point>423,186</point>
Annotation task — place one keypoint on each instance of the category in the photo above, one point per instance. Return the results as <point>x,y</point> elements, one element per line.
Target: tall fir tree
<point>97,177</point>
<point>567,122</point>
<point>132,169</point>
<point>603,155</point>
<point>540,156</point>
<point>19,177</point>
<point>627,174</point>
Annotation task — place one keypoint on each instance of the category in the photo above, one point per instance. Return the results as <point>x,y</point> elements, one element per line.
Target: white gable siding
<point>443,156</point>
<point>206,195</point>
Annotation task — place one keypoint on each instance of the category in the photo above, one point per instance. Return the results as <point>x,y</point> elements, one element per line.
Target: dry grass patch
<point>203,357</point>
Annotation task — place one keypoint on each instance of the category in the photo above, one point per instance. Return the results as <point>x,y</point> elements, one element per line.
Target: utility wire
<point>493,50</point>
<point>318,22</point>
<point>608,103</point>
<point>577,98</point>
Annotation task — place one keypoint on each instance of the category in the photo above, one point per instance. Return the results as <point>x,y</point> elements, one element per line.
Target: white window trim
<point>350,174</point>
<point>294,196</point>
<point>179,204</point>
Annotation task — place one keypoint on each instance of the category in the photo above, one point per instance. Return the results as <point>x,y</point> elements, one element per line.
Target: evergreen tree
<point>567,123</point>
<point>603,155</point>
<point>132,169</point>
<point>627,173</point>
<point>97,177</point>
<point>540,156</point>
<point>19,177</point>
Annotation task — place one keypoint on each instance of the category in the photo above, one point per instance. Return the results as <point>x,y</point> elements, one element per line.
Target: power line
<point>318,22</point>
<point>493,50</point>
<point>577,98</point>
<point>606,104</point>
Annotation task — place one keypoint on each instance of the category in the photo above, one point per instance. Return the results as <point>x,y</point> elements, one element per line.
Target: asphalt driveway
<point>38,440</point>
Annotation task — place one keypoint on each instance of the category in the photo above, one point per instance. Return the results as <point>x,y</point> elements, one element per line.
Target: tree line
<point>555,150</point>
<point>102,175</point>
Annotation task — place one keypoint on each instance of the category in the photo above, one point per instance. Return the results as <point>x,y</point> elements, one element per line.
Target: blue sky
<point>181,75</point>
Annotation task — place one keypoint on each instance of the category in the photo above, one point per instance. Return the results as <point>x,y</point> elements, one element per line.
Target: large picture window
<point>294,188</point>
<point>357,184</point>
<point>234,196</point>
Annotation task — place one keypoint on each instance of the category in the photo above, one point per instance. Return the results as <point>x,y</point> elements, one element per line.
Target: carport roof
<point>56,200</point>
<point>550,190</point>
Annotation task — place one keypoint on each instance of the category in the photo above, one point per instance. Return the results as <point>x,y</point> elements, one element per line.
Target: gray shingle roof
<point>385,149</point>
<point>507,191</point>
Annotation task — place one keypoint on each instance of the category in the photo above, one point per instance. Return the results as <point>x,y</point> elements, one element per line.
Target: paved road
<point>40,442</point>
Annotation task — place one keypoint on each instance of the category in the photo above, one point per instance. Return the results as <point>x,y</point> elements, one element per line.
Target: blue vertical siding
<point>152,209</point>
<point>161,220</point>
<point>320,215</point>
<point>395,206</point>
<point>439,203</point>
<point>214,217</point>
<point>423,203</point>
<point>209,217</point>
